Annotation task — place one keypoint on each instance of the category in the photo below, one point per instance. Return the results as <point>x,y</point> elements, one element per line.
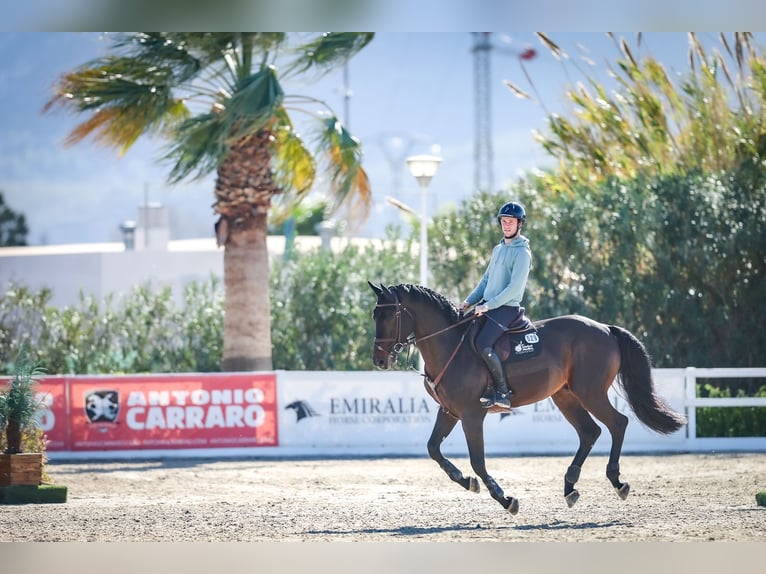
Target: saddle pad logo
<point>523,349</point>
<point>531,338</point>
<point>102,406</point>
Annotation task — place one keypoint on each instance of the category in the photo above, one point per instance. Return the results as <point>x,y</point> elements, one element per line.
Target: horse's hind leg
<point>587,431</point>
<point>444,424</point>
<point>616,422</point>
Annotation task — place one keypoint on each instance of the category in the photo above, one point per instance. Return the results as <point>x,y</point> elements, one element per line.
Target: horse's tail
<point>635,376</point>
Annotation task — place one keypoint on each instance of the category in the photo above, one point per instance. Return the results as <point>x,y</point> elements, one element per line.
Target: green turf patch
<point>760,498</point>
<point>43,494</point>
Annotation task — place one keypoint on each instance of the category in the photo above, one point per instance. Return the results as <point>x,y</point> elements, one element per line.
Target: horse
<point>578,361</point>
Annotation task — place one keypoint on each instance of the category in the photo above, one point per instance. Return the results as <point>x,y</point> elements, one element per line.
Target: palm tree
<point>218,100</point>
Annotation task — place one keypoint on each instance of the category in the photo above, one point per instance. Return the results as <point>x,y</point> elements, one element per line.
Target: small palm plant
<point>18,405</point>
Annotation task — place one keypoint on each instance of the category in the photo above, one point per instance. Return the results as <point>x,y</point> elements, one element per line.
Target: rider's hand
<point>464,305</point>
<point>481,309</point>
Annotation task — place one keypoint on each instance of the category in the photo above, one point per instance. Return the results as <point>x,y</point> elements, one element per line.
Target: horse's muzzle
<point>383,359</point>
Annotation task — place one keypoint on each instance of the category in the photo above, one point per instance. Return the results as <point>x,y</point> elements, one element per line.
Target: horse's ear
<point>378,289</point>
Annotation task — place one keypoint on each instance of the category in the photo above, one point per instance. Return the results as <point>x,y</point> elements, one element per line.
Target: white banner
<point>390,413</point>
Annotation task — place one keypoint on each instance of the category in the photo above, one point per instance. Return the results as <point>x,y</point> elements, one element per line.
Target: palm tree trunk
<point>243,196</point>
<point>13,436</point>
<point>247,313</point>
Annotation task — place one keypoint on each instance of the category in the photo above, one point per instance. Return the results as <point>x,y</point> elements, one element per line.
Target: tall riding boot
<point>500,396</point>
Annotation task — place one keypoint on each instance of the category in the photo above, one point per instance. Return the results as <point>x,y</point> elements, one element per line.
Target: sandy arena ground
<point>673,498</point>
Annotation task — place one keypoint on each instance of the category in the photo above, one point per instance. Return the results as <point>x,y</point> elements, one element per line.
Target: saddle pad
<point>518,346</point>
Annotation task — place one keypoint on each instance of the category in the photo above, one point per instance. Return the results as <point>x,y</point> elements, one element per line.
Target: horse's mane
<point>427,295</point>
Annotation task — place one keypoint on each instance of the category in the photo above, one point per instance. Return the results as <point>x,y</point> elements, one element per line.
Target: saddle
<point>519,340</point>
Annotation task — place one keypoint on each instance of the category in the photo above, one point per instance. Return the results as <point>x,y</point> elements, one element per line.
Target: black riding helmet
<point>512,209</point>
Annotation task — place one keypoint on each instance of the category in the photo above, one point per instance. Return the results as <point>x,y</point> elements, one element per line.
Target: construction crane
<point>483,175</point>
<point>483,161</point>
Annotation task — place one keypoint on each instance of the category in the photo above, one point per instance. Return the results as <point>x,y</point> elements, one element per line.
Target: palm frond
<point>172,52</point>
<point>255,101</point>
<point>343,155</point>
<point>294,165</point>
<point>124,97</point>
<point>17,400</point>
<point>327,52</point>
<point>199,145</point>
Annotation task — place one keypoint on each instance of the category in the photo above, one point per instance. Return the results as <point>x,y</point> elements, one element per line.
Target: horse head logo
<point>302,410</point>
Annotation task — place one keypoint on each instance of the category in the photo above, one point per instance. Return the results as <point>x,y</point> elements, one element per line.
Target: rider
<point>499,295</point>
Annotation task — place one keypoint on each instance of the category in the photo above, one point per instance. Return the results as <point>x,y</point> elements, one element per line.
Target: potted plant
<point>18,407</point>
<point>18,404</point>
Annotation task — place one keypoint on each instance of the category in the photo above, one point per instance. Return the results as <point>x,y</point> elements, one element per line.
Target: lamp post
<point>423,168</point>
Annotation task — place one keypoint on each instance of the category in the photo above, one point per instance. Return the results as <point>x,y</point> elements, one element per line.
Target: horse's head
<point>393,325</point>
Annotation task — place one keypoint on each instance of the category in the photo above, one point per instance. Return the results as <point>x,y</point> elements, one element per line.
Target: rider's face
<point>509,225</point>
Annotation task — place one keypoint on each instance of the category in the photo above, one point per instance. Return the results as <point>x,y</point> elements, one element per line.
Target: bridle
<point>400,345</point>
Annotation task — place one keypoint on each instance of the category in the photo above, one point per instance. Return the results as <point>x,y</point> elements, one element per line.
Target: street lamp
<point>423,168</point>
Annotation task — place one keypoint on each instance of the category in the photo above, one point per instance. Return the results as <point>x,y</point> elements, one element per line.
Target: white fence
<point>692,402</point>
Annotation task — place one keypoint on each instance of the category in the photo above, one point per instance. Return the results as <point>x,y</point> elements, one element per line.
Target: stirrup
<point>488,398</point>
<point>501,400</point>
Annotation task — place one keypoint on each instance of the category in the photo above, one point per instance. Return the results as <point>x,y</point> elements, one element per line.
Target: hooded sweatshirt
<point>505,279</point>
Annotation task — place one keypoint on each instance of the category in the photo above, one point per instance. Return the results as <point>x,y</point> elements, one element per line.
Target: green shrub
<point>322,305</point>
<point>730,421</point>
<point>143,331</point>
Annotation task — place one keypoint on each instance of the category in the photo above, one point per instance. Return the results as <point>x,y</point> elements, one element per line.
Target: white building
<point>146,256</point>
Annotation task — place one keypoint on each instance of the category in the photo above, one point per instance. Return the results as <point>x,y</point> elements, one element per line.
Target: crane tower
<point>482,159</point>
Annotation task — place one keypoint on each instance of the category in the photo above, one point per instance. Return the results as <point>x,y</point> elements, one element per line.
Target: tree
<point>13,226</point>
<point>218,99</point>
<point>709,120</point>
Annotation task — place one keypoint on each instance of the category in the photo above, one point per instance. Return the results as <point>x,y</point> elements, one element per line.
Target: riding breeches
<point>497,321</point>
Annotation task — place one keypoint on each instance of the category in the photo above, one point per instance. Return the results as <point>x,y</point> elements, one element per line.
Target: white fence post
<point>690,386</point>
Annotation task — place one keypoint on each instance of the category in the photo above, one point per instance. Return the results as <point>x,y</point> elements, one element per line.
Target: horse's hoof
<point>513,505</point>
<point>623,491</point>
<point>473,484</point>
<point>572,497</point>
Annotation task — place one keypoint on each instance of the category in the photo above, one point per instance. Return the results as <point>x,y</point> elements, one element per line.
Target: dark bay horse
<point>579,361</point>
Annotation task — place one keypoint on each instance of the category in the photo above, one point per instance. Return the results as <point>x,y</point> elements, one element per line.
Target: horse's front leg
<point>473,427</point>
<point>444,424</point>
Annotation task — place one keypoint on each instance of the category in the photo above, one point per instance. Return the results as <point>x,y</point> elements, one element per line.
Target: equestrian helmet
<point>512,209</point>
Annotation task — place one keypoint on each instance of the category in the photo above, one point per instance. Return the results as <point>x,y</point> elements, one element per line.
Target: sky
<point>408,93</point>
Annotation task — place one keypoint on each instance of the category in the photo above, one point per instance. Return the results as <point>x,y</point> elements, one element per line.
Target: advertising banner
<point>332,413</point>
<point>53,417</point>
<point>349,413</point>
<point>304,413</point>
<point>173,411</point>
<point>541,428</point>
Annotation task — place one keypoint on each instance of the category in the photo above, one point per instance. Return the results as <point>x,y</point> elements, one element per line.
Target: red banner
<point>172,411</point>
<point>53,420</point>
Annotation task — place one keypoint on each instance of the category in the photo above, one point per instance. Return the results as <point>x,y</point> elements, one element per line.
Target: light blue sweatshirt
<point>505,279</point>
